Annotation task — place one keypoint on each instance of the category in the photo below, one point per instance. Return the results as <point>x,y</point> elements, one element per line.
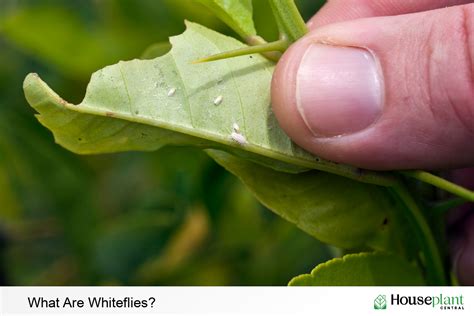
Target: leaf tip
<point>30,78</point>
<point>39,94</point>
<point>32,88</point>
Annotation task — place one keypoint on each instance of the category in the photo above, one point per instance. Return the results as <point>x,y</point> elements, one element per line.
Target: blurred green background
<point>172,217</point>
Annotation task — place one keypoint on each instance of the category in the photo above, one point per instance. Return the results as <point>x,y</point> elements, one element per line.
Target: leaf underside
<point>362,269</point>
<point>331,208</point>
<point>147,104</point>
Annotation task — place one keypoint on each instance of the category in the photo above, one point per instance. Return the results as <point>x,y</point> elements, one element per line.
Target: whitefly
<point>218,100</point>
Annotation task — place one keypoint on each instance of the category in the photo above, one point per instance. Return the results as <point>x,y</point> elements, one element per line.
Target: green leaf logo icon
<point>380,302</point>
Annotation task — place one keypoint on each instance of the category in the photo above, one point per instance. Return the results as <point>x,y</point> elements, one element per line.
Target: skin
<point>425,52</point>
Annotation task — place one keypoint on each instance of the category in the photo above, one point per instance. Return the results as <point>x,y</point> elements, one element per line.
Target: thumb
<point>383,93</point>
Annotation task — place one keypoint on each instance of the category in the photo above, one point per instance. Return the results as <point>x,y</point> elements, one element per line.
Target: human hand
<point>385,85</point>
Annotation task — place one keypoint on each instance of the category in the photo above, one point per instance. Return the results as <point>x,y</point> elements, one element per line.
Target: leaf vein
<point>126,89</point>
<point>185,90</point>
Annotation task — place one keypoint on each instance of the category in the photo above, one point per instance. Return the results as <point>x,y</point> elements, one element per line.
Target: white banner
<point>237,300</point>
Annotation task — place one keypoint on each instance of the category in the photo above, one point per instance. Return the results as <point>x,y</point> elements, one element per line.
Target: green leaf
<point>237,14</point>
<point>379,269</point>
<point>146,104</point>
<point>335,210</point>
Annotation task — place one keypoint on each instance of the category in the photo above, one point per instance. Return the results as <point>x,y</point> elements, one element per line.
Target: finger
<point>376,94</point>
<point>344,10</point>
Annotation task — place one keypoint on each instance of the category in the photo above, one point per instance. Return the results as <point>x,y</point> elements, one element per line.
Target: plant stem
<point>277,46</point>
<point>291,25</point>
<point>257,40</point>
<point>441,183</point>
<point>432,258</point>
<point>289,20</point>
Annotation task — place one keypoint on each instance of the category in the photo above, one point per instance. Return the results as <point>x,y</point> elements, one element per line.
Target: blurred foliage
<point>171,217</point>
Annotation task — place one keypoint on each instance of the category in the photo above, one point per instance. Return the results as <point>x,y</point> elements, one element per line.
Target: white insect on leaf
<point>171,92</point>
<point>218,100</point>
<point>236,127</point>
<point>238,138</point>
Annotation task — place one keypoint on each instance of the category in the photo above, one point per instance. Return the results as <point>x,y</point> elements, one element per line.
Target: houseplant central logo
<point>440,301</point>
<point>380,302</point>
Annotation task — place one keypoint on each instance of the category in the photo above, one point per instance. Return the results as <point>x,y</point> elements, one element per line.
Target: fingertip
<point>317,97</point>
<point>339,93</point>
